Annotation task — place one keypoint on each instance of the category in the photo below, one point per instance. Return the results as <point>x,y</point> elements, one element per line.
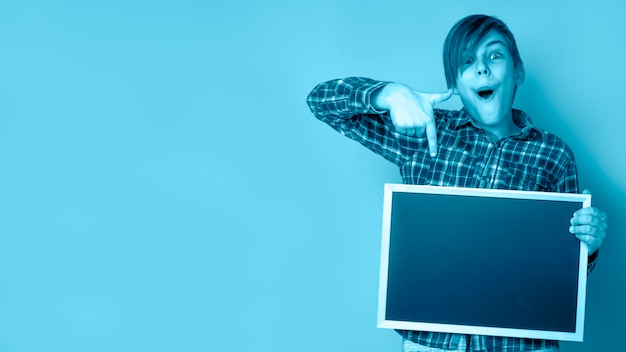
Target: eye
<point>468,61</point>
<point>495,56</point>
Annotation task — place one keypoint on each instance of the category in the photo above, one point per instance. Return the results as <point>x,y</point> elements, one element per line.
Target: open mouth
<point>485,94</point>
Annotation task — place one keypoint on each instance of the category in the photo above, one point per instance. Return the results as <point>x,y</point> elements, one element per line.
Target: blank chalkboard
<point>478,261</point>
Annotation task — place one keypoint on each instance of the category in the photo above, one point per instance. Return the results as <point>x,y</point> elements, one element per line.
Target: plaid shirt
<point>533,160</point>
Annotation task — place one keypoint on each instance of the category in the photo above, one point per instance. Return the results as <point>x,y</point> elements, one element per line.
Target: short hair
<point>466,34</point>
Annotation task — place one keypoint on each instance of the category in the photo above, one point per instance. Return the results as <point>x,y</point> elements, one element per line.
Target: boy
<point>487,144</point>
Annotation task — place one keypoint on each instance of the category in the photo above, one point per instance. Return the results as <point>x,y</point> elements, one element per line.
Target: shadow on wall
<point>606,307</point>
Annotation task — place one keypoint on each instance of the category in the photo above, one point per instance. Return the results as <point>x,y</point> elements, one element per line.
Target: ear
<point>520,76</point>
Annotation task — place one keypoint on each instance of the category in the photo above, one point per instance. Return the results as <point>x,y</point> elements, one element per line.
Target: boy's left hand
<point>589,225</point>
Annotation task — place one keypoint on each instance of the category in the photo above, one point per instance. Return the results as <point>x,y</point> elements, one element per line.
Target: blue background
<point>163,186</point>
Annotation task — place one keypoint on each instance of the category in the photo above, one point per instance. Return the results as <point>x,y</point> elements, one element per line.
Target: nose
<point>481,69</point>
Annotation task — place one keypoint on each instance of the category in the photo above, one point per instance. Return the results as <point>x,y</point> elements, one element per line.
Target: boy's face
<point>486,84</point>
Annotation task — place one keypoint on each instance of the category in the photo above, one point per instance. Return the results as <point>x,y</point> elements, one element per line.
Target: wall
<point>163,186</point>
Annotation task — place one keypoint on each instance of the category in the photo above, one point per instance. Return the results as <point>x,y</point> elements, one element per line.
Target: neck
<point>501,130</point>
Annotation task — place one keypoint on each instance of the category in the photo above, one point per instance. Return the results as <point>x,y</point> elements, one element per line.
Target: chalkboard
<point>477,261</point>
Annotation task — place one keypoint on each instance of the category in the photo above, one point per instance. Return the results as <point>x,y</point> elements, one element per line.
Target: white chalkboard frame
<point>499,198</point>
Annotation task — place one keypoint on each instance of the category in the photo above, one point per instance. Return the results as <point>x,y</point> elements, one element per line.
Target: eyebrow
<point>495,42</point>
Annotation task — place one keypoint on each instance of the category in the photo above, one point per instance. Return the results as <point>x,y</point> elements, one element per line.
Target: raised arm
<point>389,118</point>
<point>346,106</point>
<point>341,99</point>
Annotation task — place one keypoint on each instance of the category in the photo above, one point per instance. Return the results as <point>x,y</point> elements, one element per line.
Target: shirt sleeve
<point>345,105</point>
<point>569,184</point>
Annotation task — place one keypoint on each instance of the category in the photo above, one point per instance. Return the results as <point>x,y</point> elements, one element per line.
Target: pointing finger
<point>440,97</point>
<point>431,134</point>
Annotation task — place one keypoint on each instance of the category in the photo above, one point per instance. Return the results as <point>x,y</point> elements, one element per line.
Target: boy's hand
<point>589,225</point>
<point>411,111</point>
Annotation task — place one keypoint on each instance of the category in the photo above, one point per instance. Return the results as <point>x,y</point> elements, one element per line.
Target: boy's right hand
<point>411,111</point>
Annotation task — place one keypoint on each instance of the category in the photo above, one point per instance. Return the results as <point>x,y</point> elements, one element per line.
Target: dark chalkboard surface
<point>478,261</point>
